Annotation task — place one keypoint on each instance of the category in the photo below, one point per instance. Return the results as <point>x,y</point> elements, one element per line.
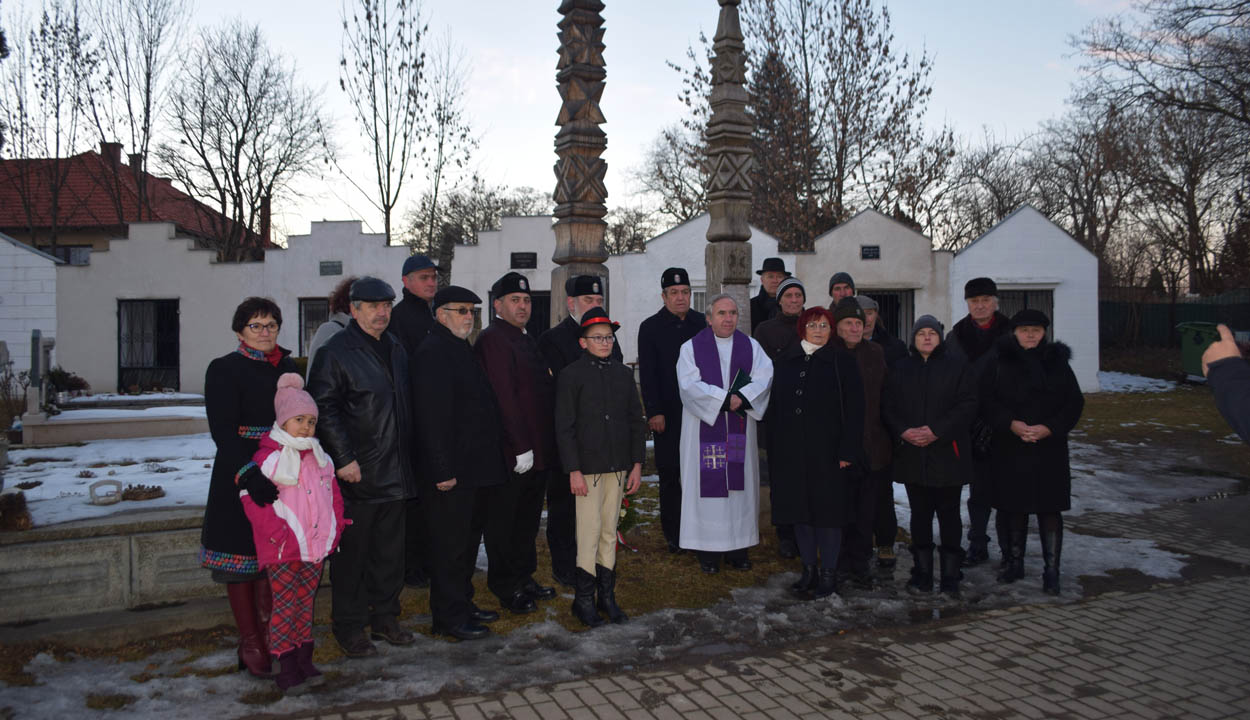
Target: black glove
<point>258,487</point>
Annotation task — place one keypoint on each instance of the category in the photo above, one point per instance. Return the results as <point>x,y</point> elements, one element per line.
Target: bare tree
<point>4,53</point>
<point>990,181</point>
<point>382,71</point>
<point>629,229</point>
<point>449,143</point>
<point>674,175</point>
<point>137,38</point>
<point>243,129</point>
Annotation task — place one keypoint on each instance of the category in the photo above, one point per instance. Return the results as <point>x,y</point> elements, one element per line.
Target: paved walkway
<point>1179,651</point>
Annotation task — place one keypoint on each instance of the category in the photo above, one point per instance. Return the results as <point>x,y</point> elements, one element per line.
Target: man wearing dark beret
<point>559,345</point>
<point>460,460</point>
<point>361,386</point>
<point>660,338</point>
<point>973,339</point>
<point>525,390</point>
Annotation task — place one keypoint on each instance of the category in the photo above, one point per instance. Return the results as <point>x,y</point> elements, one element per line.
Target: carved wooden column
<point>580,190</point>
<point>728,254</point>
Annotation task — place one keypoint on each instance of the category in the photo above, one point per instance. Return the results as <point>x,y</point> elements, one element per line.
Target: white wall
<point>477,267</point>
<point>908,262</point>
<point>1026,251</point>
<point>27,298</point>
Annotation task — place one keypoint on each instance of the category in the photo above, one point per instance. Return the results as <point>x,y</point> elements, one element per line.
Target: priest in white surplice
<point>720,479</point>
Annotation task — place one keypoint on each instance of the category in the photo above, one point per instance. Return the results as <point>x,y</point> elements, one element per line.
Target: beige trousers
<point>597,513</point>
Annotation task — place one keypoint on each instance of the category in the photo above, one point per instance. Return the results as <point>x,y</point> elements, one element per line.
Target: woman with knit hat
<point>930,400</point>
<point>1031,401</point>
<point>297,520</point>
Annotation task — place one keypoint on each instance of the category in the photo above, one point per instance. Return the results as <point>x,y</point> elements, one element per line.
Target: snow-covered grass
<point>1119,382</point>
<point>188,411</point>
<point>121,399</point>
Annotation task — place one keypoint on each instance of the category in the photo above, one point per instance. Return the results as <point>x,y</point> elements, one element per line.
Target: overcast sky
<point>1005,65</point>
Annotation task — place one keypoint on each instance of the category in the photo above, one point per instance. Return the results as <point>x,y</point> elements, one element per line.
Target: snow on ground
<point>124,399</point>
<point>1124,382</point>
<point>1113,479</point>
<point>192,411</point>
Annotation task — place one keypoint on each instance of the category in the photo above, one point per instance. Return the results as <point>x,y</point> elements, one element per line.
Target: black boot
<point>290,679</point>
<point>1002,529</point>
<point>303,657</point>
<point>827,584</point>
<point>951,559</point>
<point>584,599</point>
<point>922,571</point>
<point>1051,532</point>
<point>607,596</point>
<point>978,552</point>
<point>1013,561</point>
<point>807,581</point>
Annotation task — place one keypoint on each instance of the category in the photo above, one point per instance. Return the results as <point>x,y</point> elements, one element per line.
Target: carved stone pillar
<point>728,254</point>
<point>580,190</point>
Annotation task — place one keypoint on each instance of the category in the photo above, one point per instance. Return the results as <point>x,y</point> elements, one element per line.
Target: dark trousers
<point>813,541</point>
<point>454,538</point>
<point>980,495</point>
<point>670,504</point>
<point>513,512</point>
<point>367,573</point>
<point>857,544</point>
<point>416,541</point>
<point>885,526</point>
<point>561,525</point>
<point>929,501</point>
<point>713,557</point>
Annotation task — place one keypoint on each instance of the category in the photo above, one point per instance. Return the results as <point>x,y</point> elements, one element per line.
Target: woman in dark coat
<point>930,400</point>
<point>816,427</point>
<point>238,398</point>
<point>1031,400</point>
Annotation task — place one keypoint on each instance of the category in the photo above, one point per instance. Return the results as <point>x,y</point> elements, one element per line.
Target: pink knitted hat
<point>291,400</point>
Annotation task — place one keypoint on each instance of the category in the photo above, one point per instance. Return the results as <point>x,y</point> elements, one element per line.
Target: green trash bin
<point>1195,338</point>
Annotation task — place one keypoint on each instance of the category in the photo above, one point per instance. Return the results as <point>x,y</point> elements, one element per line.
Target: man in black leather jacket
<point>361,386</point>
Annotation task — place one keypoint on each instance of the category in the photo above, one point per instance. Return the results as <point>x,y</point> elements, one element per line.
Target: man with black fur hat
<point>973,339</point>
<point>525,390</point>
<point>361,386</point>
<point>764,304</point>
<point>460,458</point>
<point>560,347</point>
<point>660,338</point>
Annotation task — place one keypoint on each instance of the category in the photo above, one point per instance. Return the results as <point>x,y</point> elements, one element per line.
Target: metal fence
<point>1134,316</point>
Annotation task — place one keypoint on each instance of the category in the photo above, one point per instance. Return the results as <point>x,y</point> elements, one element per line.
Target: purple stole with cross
<point>722,445</point>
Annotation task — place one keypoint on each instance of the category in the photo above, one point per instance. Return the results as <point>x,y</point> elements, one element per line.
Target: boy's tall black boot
<point>607,595</point>
<point>584,599</point>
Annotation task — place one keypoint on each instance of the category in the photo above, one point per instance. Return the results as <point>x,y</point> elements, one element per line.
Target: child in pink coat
<point>297,523</point>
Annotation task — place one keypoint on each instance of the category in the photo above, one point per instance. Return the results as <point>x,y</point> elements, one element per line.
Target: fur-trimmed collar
<point>1052,353</point>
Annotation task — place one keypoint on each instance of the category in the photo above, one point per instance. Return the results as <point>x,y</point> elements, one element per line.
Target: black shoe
<point>978,552</point>
<point>468,631</point>
<point>788,549</point>
<point>711,567</point>
<point>674,549</point>
<point>807,581</point>
<point>519,604</point>
<point>416,579</point>
<point>539,592</point>
<point>357,646</point>
<point>478,615</point>
<point>388,629</point>
<point>743,564</point>
<point>860,580</point>
<point>564,578</point>
<point>827,584</point>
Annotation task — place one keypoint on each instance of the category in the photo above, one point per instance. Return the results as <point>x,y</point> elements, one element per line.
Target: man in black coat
<point>525,390</point>
<point>411,320</point>
<point>894,348</point>
<point>764,304</point>
<point>559,346</point>
<point>660,338</point>
<point>361,386</point>
<point>974,339</point>
<point>461,455</point>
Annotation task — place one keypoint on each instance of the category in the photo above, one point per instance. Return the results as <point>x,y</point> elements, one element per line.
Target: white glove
<point>524,462</point>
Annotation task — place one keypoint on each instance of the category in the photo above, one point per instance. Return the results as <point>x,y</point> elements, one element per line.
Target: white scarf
<point>287,471</point>
<point>809,348</point>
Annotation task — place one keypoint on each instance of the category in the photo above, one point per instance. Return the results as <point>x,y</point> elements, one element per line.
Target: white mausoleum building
<point>27,298</point>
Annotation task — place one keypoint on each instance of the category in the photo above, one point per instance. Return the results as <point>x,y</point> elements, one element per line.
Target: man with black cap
<point>559,346</point>
<point>894,348</point>
<point>361,386</point>
<point>460,458</point>
<point>973,339</point>
<point>660,338</point>
<point>525,390</point>
<point>764,304</point>
<point>411,320</point>
<point>841,285</point>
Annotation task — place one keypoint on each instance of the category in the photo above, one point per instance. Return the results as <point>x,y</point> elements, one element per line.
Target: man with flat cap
<point>894,348</point>
<point>360,383</point>
<point>525,390</point>
<point>973,339</point>
<point>411,321</point>
<point>764,304</point>
<point>559,346</point>
<point>660,338</point>
<point>460,458</point>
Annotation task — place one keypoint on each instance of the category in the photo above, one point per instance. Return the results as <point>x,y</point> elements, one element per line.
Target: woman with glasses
<point>238,397</point>
<point>815,430</point>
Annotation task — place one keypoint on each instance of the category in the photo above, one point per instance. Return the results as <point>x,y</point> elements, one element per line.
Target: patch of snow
<point>191,411</point>
<point>1124,382</point>
<point>123,399</point>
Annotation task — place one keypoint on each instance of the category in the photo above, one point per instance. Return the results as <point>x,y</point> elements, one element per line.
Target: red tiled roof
<point>94,188</point>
